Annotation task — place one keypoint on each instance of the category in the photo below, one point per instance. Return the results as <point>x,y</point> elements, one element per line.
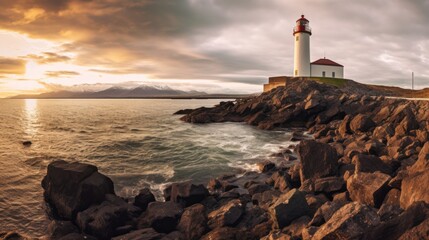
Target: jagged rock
<point>389,211</point>
<point>289,207</point>
<point>349,222</point>
<point>258,188</point>
<point>392,197</point>
<point>141,234</point>
<point>266,166</point>
<point>193,223</point>
<point>419,232</point>
<point>370,164</point>
<point>412,190</point>
<point>422,163</point>
<point>58,229</point>
<point>102,220</point>
<point>317,160</point>
<point>187,193</point>
<point>397,226</point>
<point>227,215</point>
<point>325,212</point>
<point>297,226</point>
<point>329,184</point>
<point>344,128</point>
<point>73,187</point>
<point>368,188</point>
<point>315,201</point>
<point>361,123</point>
<point>143,199</point>
<point>266,198</point>
<point>252,217</point>
<point>281,181</point>
<point>161,216</point>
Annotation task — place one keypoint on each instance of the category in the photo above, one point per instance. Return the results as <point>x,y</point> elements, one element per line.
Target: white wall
<point>301,60</point>
<point>317,71</point>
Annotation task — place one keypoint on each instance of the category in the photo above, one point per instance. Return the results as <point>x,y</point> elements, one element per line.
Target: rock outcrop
<point>362,176</point>
<point>73,187</point>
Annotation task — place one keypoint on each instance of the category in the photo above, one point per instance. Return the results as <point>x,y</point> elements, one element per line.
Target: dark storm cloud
<point>378,41</point>
<point>56,74</point>
<point>12,66</point>
<point>48,57</point>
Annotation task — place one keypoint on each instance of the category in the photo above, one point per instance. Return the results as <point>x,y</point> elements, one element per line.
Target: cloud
<point>12,66</point>
<point>240,41</point>
<point>48,57</point>
<point>57,74</point>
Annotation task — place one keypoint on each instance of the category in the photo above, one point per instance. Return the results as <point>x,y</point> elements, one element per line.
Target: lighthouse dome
<point>302,26</point>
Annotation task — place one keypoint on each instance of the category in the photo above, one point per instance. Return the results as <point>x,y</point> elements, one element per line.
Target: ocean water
<point>135,142</point>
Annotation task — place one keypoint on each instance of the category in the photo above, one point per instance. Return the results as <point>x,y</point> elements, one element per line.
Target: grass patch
<point>338,82</point>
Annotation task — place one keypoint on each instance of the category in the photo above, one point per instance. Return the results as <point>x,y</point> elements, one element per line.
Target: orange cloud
<point>12,66</point>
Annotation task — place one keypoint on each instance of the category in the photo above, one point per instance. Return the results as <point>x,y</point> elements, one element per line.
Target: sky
<point>216,46</point>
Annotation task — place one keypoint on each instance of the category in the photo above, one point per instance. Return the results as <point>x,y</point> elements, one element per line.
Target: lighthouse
<point>303,69</point>
<point>302,33</point>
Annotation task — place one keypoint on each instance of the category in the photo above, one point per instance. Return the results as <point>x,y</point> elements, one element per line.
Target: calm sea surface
<point>137,143</point>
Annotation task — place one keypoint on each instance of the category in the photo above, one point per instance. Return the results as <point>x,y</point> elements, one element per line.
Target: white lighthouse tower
<point>302,32</point>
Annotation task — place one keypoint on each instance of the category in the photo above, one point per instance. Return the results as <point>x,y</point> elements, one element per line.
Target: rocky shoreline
<point>363,176</point>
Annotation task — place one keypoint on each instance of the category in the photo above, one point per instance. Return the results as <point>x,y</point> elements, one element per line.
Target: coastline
<point>359,178</point>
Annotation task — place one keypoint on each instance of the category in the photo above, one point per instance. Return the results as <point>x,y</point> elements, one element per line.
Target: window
<point>333,74</point>
<point>296,72</point>
<point>297,38</point>
<point>323,74</point>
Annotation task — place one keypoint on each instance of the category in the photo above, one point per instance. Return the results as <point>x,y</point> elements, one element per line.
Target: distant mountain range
<point>138,92</point>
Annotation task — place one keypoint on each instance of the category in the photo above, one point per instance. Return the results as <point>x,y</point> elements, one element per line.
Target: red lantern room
<point>302,26</point>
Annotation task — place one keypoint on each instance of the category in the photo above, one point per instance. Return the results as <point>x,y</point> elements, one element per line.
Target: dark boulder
<point>370,164</point>
<point>193,223</point>
<point>289,207</point>
<point>419,232</point>
<point>368,188</point>
<point>187,193</point>
<point>226,215</point>
<point>349,222</point>
<point>266,166</point>
<point>58,229</point>
<point>73,187</point>
<point>106,219</point>
<point>143,199</point>
<point>329,184</point>
<point>361,123</point>
<point>258,188</point>
<point>394,228</point>
<point>325,212</point>
<point>388,211</point>
<point>297,226</point>
<point>161,216</point>
<point>317,159</point>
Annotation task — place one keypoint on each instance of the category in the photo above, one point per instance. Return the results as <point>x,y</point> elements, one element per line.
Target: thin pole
<point>412,80</point>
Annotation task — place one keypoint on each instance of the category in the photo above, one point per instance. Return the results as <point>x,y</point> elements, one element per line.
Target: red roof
<point>302,18</point>
<point>325,61</point>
